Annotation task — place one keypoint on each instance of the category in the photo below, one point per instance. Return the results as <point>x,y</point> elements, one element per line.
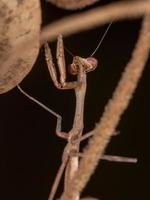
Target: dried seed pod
<point>72,4</point>
<point>19,40</point>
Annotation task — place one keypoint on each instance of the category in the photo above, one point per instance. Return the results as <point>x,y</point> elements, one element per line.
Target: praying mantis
<point>79,67</point>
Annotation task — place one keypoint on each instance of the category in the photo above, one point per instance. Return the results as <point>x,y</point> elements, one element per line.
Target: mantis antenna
<point>101,40</point>
<point>99,44</point>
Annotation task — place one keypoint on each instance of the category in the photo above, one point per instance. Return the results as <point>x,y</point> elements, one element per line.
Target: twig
<point>119,159</point>
<point>115,158</point>
<point>95,17</point>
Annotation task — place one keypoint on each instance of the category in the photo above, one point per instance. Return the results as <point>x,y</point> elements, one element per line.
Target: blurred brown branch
<point>95,17</point>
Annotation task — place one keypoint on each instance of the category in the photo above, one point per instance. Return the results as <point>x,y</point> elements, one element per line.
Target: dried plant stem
<point>72,4</point>
<point>119,159</point>
<point>94,18</point>
<point>113,111</point>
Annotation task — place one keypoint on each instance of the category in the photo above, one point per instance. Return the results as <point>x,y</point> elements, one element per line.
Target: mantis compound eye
<point>73,69</point>
<point>91,64</point>
<point>88,64</point>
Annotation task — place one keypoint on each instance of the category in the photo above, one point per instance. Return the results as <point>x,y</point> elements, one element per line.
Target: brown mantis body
<point>79,67</point>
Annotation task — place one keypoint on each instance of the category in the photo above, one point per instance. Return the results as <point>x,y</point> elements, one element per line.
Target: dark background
<point>30,150</point>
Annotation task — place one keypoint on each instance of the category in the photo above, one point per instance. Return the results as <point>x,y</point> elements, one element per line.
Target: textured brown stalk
<point>113,111</point>
<point>72,4</point>
<point>95,17</point>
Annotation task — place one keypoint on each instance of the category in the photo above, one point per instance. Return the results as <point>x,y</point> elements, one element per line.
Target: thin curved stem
<point>94,18</point>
